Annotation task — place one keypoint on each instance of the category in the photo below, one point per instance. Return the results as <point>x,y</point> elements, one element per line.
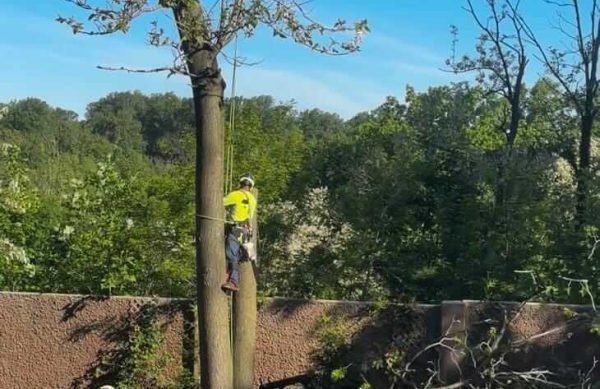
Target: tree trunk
<point>515,117</point>
<point>587,123</point>
<point>216,365</point>
<point>244,321</point>
<point>216,368</point>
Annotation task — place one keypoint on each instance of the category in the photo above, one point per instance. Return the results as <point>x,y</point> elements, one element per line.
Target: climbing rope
<point>229,172</point>
<point>232,108</point>
<point>217,219</point>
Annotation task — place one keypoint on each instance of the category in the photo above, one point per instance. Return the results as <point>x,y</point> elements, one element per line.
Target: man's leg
<point>232,253</point>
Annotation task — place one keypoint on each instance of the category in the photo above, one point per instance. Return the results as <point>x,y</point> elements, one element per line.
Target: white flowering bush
<point>308,251</point>
<point>15,266</point>
<point>562,176</point>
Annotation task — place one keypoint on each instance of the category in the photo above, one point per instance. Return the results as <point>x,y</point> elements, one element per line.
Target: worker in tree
<point>240,206</point>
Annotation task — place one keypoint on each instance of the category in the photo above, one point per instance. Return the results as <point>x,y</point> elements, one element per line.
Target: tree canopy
<point>398,202</point>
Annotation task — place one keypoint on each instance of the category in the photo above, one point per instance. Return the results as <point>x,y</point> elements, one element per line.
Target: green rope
<point>229,174</point>
<point>232,108</point>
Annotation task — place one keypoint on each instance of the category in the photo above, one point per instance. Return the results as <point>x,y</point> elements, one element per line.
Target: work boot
<point>230,285</point>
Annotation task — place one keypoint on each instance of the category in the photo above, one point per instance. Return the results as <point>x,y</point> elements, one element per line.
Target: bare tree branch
<point>545,59</point>
<point>501,58</point>
<point>130,70</point>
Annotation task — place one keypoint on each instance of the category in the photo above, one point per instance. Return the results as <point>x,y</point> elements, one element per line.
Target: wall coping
<point>98,296</point>
<point>529,303</point>
<point>130,297</point>
<point>298,300</point>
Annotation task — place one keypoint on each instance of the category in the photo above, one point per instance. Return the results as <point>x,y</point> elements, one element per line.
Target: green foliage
<point>18,205</point>
<point>112,220</point>
<point>339,374</point>
<point>317,125</point>
<point>158,124</point>
<point>415,200</point>
<point>267,142</point>
<point>438,206</point>
<point>140,361</point>
<point>145,363</point>
<point>331,335</point>
<point>384,350</point>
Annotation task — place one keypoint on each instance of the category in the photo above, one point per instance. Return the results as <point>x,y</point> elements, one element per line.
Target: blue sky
<point>408,44</point>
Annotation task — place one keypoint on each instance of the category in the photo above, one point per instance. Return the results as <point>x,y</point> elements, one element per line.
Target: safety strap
<point>214,219</point>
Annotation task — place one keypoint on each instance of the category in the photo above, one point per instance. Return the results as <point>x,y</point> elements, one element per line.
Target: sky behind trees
<point>408,45</point>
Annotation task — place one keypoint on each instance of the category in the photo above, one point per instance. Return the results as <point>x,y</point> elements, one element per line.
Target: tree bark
<point>244,321</point>
<point>215,345</point>
<point>216,365</point>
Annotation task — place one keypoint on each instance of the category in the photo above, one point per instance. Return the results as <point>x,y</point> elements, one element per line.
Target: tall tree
<point>575,68</point>
<point>316,124</point>
<point>204,31</point>
<point>500,65</point>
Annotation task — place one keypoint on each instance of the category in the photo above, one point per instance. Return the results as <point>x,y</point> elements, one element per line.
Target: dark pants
<point>234,252</point>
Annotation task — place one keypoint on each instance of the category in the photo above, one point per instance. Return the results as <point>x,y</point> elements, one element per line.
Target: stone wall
<point>64,341</point>
<point>60,341</point>
<point>287,345</point>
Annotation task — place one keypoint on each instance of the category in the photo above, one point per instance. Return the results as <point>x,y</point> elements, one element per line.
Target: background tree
<point>412,182</point>
<point>575,70</point>
<point>316,124</point>
<point>17,214</point>
<point>267,142</point>
<point>499,64</point>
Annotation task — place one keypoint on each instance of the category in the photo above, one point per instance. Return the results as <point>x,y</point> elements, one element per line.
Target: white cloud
<point>383,44</point>
<point>310,92</point>
<point>400,67</point>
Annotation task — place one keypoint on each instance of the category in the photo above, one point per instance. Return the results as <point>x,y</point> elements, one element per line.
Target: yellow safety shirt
<point>240,205</point>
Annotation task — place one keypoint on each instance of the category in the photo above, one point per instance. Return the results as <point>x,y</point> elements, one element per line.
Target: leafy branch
<point>213,28</point>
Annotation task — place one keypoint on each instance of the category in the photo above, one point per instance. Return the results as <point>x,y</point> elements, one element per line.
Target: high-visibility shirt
<point>240,205</point>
